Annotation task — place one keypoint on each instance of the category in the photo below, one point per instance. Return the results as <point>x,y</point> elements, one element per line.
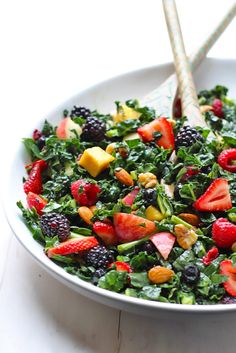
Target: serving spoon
<point>187,90</point>
<point>162,99</point>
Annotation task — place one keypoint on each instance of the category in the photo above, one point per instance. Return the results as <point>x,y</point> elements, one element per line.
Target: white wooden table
<point>51,50</point>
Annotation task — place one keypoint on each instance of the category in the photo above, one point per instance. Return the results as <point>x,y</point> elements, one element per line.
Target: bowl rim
<point>73,281</point>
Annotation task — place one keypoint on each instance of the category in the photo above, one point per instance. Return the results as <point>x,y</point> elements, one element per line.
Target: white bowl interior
<point>101,97</point>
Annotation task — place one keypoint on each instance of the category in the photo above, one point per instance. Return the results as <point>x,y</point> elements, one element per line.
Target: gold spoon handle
<point>189,100</point>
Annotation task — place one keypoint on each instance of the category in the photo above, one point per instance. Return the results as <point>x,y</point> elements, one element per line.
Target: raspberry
<point>55,224</point>
<point>37,134</point>
<point>99,257</point>
<point>85,193</point>
<point>82,112</point>
<point>187,136</point>
<point>93,130</point>
<point>217,108</point>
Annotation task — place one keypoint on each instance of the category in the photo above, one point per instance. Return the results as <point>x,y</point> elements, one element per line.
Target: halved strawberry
<point>36,201</point>
<point>121,266</point>
<point>128,200</point>
<point>106,232</point>
<point>226,158</point>
<point>130,227</point>
<point>224,233</point>
<point>162,125</point>
<point>73,246</point>
<point>86,194</point>
<point>164,242</point>
<point>227,269</point>
<point>215,198</point>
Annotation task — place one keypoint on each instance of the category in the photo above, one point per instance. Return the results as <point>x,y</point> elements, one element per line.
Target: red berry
<point>86,194</point>
<point>73,246</point>
<point>34,181</point>
<point>217,108</point>
<point>106,232</point>
<point>37,134</point>
<point>226,158</point>
<point>215,198</point>
<point>211,255</point>
<point>224,233</point>
<point>36,201</point>
<point>162,125</point>
<point>121,266</point>
<point>130,227</point>
<point>227,269</point>
<point>191,170</point>
<point>40,163</point>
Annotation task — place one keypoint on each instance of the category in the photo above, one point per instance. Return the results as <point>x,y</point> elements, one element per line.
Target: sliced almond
<point>86,214</point>
<point>160,274</point>
<point>190,218</point>
<point>124,177</point>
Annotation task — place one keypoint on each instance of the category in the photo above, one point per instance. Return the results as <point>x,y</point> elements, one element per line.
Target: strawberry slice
<point>130,227</point>
<point>128,200</point>
<point>227,269</point>
<point>164,243</point>
<point>226,158</point>
<point>73,246</point>
<point>121,266</point>
<point>86,194</point>
<point>36,201</point>
<point>34,181</point>
<point>40,162</point>
<point>161,125</point>
<point>106,232</point>
<point>215,198</point>
<point>224,233</point>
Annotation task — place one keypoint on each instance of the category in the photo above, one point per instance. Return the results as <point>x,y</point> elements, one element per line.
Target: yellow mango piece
<point>125,113</point>
<point>95,160</point>
<point>153,214</point>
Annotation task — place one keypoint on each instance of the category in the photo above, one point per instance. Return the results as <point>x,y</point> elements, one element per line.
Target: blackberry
<point>148,247</point>
<point>98,274</point>
<point>99,257</point>
<point>190,274</point>
<point>93,130</point>
<point>150,196</point>
<point>228,300</point>
<point>53,224</point>
<point>187,136</point>
<point>82,112</point>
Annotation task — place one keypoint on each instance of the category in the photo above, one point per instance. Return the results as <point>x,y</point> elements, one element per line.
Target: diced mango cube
<point>153,214</point>
<point>95,160</point>
<point>125,113</point>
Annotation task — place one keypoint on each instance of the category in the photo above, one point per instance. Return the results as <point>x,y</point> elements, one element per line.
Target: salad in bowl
<point>137,203</point>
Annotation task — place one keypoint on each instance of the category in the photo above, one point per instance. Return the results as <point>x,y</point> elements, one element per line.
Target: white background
<point>49,51</point>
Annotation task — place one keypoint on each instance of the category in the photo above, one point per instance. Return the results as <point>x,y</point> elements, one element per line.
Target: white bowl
<point>131,85</point>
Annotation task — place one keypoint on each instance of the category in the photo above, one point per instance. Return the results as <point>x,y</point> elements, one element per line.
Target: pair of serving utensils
<point>163,98</point>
